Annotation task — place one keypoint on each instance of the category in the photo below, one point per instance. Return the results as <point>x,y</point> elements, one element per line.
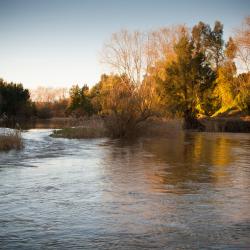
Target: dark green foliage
<point>188,79</point>
<point>80,101</point>
<point>209,42</point>
<point>15,100</point>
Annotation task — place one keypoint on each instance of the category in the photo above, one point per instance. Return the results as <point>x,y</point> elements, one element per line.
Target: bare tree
<point>161,42</point>
<point>242,39</point>
<point>124,53</point>
<point>46,95</point>
<point>136,53</point>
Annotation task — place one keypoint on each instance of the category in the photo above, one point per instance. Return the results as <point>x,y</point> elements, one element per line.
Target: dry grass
<point>79,133</point>
<point>154,127</point>
<point>10,139</point>
<point>88,128</point>
<point>97,128</point>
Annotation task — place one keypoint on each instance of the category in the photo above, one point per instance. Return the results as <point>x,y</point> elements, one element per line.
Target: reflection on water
<point>52,123</point>
<point>187,190</point>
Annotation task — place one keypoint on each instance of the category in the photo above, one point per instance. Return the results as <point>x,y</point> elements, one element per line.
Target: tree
<point>225,88</point>
<point>15,100</point>
<point>80,103</point>
<point>50,102</point>
<point>187,78</point>
<point>243,97</point>
<point>124,104</point>
<point>232,90</point>
<point>126,54</point>
<point>135,53</point>
<point>216,44</point>
<point>209,42</point>
<point>160,45</point>
<point>48,94</point>
<point>242,40</point>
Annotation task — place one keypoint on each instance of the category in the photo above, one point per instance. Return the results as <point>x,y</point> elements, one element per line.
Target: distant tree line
<point>15,101</point>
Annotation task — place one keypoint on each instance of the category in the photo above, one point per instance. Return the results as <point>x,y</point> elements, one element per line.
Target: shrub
<point>124,104</point>
<point>11,139</point>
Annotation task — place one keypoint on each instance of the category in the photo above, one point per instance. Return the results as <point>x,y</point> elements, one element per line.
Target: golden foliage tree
<point>124,104</point>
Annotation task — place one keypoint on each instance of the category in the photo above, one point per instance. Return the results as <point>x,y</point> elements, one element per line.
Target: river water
<point>181,191</point>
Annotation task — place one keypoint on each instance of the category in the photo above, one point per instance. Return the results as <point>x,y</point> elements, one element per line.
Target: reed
<point>88,128</point>
<point>10,139</point>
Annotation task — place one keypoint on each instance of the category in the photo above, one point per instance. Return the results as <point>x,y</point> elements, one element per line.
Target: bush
<point>11,139</point>
<point>124,104</point>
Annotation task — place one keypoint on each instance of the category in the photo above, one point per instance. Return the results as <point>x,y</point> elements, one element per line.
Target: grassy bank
<point>10,139</point>
<point>79,133</point>
<point>96,128</point>
<point>86,128</point>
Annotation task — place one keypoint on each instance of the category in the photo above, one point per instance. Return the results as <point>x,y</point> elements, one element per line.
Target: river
<point>181,191</point>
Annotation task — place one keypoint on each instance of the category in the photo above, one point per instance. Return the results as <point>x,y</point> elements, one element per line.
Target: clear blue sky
<point>57,42</point>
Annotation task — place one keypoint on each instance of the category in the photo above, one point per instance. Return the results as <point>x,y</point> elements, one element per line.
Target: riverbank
<point>95,128</point>
<point>10,139</point>
<point>227,124</point>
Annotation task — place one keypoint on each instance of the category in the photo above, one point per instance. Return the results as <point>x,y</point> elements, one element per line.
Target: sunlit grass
<point>79,133</point>
<point>88,128</point>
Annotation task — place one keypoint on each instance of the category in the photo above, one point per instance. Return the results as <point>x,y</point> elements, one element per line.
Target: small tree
<point>124,104</point>
<point>80,102</point>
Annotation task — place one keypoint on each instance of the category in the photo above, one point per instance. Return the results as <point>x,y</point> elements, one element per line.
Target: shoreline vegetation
<point>227,124</point>
<point>87,128</point>
<point>10,139</point>
<point>186,73</point>
<point>96,128</point>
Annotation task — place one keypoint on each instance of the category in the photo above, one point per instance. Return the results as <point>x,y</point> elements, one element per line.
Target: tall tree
<point>124,52</point>
<point>187,78</point>
<point>242,40</point>
<point>210,42</point>
<point>14,100</point>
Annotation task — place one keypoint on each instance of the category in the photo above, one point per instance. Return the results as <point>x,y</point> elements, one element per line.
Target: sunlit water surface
<point>183,191</point>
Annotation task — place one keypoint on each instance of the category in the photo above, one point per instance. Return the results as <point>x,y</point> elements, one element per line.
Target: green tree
<point>15,100</point>
<point>80,102</point>
<point>187,78</point>
<point>209,42</point>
